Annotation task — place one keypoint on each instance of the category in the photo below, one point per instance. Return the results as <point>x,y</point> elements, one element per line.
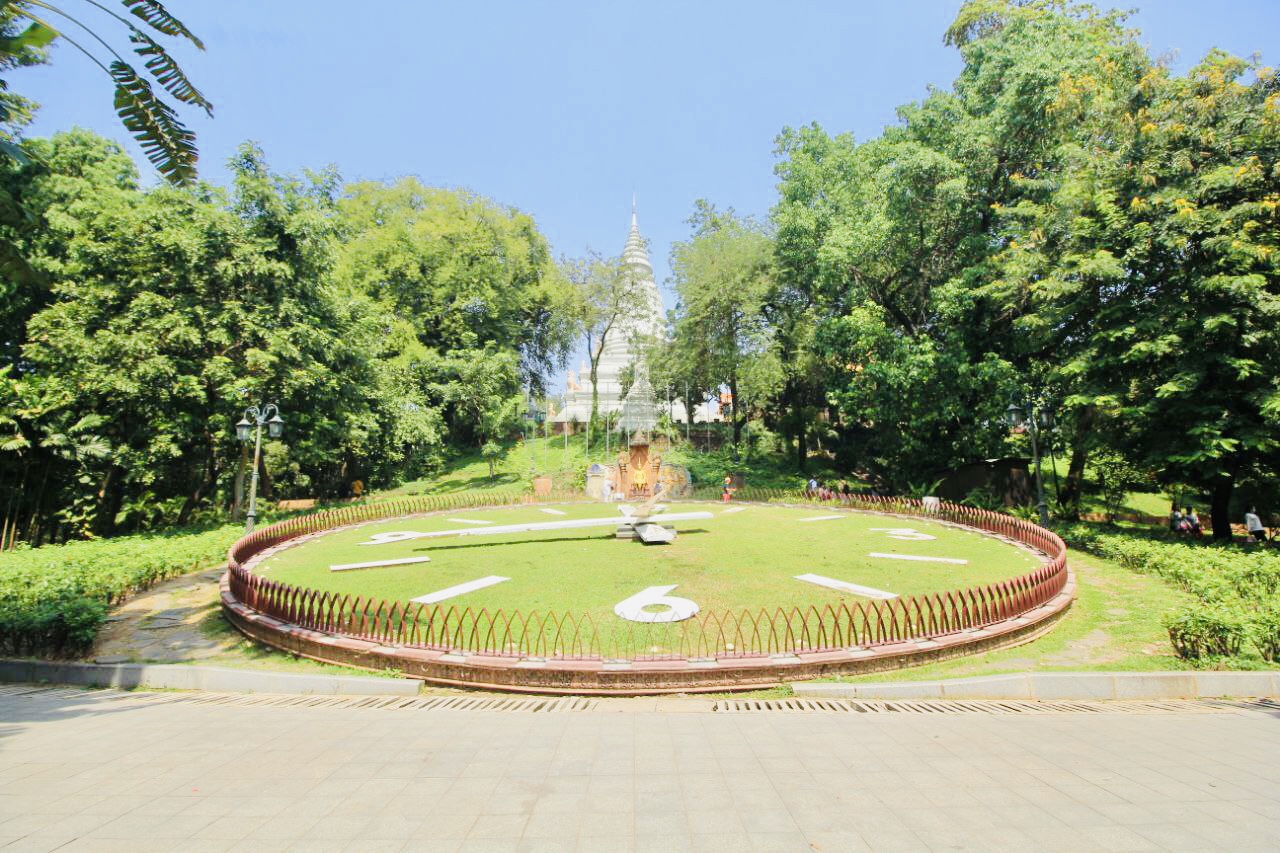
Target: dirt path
<point>162,625</point>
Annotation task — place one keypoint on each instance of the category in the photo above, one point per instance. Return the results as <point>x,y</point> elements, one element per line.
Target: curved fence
<point>715,635</point>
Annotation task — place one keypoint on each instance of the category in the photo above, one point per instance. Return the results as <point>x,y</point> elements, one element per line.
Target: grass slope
<point>566,460</point>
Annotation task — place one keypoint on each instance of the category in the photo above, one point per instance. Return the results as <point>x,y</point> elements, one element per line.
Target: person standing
<point>1253,524</point>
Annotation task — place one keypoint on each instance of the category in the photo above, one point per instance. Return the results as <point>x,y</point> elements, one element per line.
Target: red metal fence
<point>569,636</point>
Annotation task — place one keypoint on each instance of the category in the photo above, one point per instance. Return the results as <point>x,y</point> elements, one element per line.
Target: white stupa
<point>641,407</point>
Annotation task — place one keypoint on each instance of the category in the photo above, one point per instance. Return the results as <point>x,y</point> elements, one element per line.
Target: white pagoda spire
<point>634,252</point>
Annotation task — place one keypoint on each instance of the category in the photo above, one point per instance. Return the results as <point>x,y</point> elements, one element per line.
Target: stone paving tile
<point>209,778</point>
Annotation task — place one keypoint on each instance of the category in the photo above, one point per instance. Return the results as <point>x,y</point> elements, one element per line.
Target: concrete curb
<point>212,678</point>
<point>1060,685</point>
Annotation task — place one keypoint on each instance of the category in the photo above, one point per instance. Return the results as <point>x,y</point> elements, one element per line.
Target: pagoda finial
<point>633,209</point>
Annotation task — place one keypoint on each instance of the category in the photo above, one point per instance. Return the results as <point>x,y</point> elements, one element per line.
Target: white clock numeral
<point>678,608</point>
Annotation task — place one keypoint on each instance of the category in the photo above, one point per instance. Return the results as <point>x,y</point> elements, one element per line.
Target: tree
<point>462,270</point>
<point>492,452</point>
<point>484,387</point>
<point>606,294</point>
<point>165,140</point>
<point>171,310</point>
<point>722,276</point>
<point>1146,265</point>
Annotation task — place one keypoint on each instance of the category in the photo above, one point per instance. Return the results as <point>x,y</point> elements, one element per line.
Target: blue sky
<point>564,108</point>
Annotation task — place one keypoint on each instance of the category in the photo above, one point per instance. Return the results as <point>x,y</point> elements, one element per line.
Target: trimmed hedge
<point>53,599</point>
<point>1238,589</point>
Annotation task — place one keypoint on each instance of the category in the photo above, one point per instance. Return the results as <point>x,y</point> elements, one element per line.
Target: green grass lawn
<point>1113,625</point>
<point>1154,503</point>
<point>731,561</point>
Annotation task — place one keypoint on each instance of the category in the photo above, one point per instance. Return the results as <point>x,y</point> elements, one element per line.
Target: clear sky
<point>563,109</point>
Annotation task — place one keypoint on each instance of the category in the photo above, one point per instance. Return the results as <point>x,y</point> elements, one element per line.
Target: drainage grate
<point>1018,706</point>
<point>526,704</point>
<point>575,704</point>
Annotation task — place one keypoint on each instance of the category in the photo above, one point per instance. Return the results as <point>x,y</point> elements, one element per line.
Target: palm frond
<point>168,144</point>
<point>167,72</point>
<point>158,18</point>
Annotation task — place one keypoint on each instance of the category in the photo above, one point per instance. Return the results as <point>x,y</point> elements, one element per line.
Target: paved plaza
<point>103,771</point>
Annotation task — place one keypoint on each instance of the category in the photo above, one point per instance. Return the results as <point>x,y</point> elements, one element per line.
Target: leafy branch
<point>155,125</point>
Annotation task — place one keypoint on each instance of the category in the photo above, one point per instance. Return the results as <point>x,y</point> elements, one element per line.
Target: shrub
<point>53,599</point>
<point>1028,512</point>
<point>1264,628</point>
<point>1238,590</point>
<point>982,497</point>
<point>1116,476</point>
<point>1199,632</point>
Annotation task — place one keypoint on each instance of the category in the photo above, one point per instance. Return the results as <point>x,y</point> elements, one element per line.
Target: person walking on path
<point>1253,524</point>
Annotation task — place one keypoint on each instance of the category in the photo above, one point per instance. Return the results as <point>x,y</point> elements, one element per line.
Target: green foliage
<point>165,140</point>
<point>1071,216</point>
<point>923,489</point>
<point>386,323</point>
<point>722,277</point>
<point>1265,630</point>
<point>1199,632</point>
<point>1237,589</point>
<point>1116,477</point>
<point>54,598</point>
<point>1027,512</point>
<point>984,497</point>
<point>491,452</point>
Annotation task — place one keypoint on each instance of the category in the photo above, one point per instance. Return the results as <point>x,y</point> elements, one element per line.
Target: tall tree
<point>1152,266</point>
<point>464,271</point>
<point>606,294</point>
<point>723,274</point>
<point>171,310</point>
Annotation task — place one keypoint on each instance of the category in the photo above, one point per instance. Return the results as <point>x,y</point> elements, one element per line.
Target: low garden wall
<point>566,652</point>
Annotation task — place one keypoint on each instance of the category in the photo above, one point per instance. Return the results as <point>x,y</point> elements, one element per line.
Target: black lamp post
<point>1016,419</point>
<point>250,426</point>
<point>533,414</point>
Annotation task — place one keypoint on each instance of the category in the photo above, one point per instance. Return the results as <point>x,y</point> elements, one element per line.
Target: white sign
<point>844,586</point>
<point>905,533</point>
<point>678,609</point>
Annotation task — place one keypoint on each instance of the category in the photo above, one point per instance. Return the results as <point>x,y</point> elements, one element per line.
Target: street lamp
<point>536,416</point>
<point>255,416</point>
<point>1015,419</point>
